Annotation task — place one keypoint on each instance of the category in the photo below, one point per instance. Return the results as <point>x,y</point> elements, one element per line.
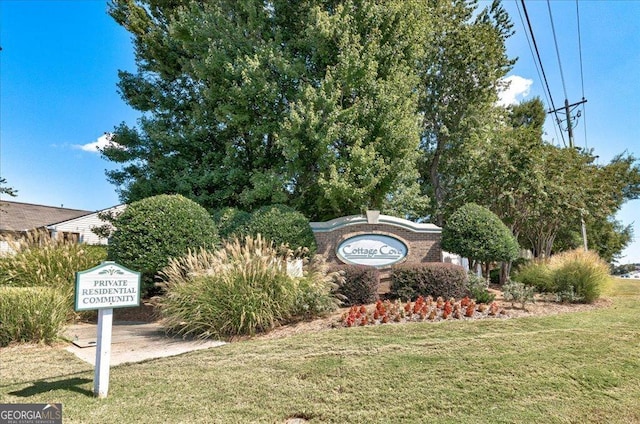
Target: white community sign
<point>103,288</point>
<point>377,250</point>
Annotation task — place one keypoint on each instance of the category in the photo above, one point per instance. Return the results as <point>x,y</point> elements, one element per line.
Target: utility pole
<point>568,109</point>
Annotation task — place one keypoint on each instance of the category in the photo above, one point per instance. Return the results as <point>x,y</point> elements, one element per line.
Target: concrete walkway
<point>131,342</point>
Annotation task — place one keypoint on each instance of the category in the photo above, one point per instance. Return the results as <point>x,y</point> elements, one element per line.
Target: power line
<point>546,82</point>
<point>584,119</point>
<point>555,41</point>
<point>567,107</point>
<point>535,63</point>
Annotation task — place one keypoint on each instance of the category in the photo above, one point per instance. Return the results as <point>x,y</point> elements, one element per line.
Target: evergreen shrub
<point>282,225</point>
<point>231,223</point>
<point>430,279</point>
<point>151,231</point>
<point>360,286</point>
<point>516,292</point>
<point>479,289</point>
<point>475,232</point>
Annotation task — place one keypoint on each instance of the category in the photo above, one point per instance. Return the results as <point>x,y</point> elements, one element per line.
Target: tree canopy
<point>326,106</point>
<point>475,232</point>
<point>333,107</point>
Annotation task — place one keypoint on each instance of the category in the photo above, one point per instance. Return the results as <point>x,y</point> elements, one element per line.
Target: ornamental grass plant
<point>40,261</point>
<point>583,274</point>
<point>573,276</point>
<point>240,289</point>
<point>31,314</point>
<point>536,274</point>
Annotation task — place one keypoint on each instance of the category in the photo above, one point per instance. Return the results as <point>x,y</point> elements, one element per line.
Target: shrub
<point>152,230</point>
<point>40,261</point>
<point>231,223</point>
<point>515,292</point>
<point>431,279</point>
<point>360,286</point>
<point>536,274</point>
<point>317,291</point>
<point>243,288</point>
<point>476,233</point>
<point>582,274</point>
<point>282,225</point>
<point>31,314</point>
<point>478,289</point>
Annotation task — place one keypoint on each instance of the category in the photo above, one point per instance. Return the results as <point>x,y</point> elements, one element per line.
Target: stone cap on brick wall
<point>345,221</point>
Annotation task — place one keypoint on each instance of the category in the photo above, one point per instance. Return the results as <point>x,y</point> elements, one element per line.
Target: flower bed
<point>423,309</point>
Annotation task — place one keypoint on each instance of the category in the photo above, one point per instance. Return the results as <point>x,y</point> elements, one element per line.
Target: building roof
<point>17,216</point>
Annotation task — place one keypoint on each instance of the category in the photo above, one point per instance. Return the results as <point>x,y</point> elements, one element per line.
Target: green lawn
<point>572,368</point>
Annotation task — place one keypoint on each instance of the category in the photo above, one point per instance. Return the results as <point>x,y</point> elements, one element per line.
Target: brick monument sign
<point>377,240</point>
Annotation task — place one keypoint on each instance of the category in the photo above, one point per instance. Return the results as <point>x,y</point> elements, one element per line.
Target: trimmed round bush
<point>31,315</point>
<point>282,225</point>
<point>231,222</point>
<point>360,286</point>
<point>476,233</point>
<point>430,279</point>
<point>152,230</point>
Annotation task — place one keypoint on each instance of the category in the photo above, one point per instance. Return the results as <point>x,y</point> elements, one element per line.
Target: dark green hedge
<point>361,284</point>
<point>232,222</point>
<point>282,225</point>
<point>152,230</point>
<point>430,279</point>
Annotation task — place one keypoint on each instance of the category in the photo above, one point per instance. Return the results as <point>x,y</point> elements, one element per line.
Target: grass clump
<point>584,274</point>
<point>573,276</point>
<point>536,274</point>
<point>40,261</point>
<point>31,314</point>
<point>240,289</point>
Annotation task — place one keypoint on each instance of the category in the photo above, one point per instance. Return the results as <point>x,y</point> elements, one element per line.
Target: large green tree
<point>212,84</point>
<point>324,105</point>
<point>351,139</point>
<point>248,103</point>
<point>464,63</point>
<point>540,191</point>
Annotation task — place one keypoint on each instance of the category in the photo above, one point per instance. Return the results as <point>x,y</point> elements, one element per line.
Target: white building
<point>81,228</point>
<point>17,219</point>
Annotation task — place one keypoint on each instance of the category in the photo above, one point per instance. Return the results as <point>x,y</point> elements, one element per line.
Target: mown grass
<point>570,368</point>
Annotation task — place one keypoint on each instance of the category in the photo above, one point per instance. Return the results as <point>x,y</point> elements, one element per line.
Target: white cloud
<point>516,88</point>
<point>94,147</point>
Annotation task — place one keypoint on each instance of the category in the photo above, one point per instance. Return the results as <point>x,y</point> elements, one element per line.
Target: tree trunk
<point>434,177</point>
<point>505,270</point>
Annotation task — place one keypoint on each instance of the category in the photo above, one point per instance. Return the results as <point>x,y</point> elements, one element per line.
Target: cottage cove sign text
<point>372,249</point>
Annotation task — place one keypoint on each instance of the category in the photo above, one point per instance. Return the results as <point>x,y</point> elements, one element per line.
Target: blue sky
<point>58,95</point>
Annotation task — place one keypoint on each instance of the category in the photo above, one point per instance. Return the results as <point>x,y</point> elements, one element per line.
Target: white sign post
<point>105,287</point>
